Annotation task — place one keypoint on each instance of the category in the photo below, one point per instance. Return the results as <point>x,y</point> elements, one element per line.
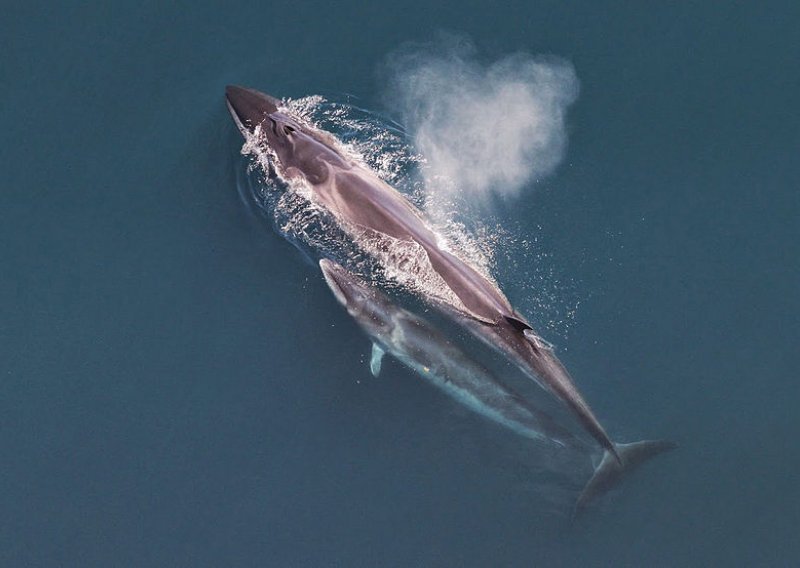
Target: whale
<point>426,351</point>
<point>367,207</point>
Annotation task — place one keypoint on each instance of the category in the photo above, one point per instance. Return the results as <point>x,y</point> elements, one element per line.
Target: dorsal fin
<point>517,324</point>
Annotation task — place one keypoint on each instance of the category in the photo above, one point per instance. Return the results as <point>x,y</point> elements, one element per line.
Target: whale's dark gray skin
<point>419,346</point>
<point>360,200</point>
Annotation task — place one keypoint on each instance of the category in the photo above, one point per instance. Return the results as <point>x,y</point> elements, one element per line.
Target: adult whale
<point>366,206</point>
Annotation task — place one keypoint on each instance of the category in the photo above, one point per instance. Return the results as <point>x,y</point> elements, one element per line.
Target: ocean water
<point>179,388</point>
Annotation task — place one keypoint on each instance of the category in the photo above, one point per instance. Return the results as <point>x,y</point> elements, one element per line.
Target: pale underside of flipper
<point>376,359</point>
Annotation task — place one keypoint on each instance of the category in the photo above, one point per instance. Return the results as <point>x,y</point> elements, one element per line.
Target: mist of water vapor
<point>484,130</point>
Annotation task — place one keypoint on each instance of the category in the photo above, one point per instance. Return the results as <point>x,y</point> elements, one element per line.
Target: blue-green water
<point>179,388</point>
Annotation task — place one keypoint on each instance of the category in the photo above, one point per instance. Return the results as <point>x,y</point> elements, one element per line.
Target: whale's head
<point>370,308</point>
<point>296,147</point>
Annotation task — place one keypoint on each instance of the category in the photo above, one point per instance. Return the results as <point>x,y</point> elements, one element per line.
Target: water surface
<point>179,388</point>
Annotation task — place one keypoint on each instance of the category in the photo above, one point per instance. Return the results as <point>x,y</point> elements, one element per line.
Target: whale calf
<point>425,350</point>
<point>369,208</point>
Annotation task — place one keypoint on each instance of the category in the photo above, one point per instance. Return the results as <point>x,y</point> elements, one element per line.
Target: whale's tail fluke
<point>611,469</point>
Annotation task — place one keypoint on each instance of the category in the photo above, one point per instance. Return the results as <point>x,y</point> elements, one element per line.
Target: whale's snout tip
<point>337,279</point>
<point>331,270</point>
<point>248,106</point>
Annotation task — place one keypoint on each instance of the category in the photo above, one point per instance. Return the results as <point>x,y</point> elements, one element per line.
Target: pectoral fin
<point>376,359</point>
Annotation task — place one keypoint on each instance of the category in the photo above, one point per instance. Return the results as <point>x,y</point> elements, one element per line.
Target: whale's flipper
<point>376,359</point>
<point>610,471</point>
